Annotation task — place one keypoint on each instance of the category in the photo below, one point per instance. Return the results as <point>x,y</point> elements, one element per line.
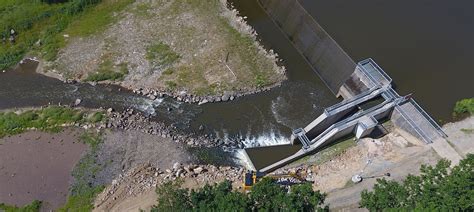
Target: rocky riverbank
<point>142,181</point>
<point>135,120</point>
<point>194,52</point>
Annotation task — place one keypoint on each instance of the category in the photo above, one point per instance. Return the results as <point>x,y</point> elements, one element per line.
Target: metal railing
<point>413,125</point>
<point>354,98</point>
<point>379,70</point>
<point>429,118</point>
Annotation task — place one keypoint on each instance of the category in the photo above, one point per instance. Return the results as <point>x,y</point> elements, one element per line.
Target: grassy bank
<point>464,107</point>
<point>32,207</point>
<point>235,61</point>
<point>329,152</point>
<point>35,21</point>
<point>40,26</point>
<point>50,119</point>
<point>200,47</point>
<point>83,191</point>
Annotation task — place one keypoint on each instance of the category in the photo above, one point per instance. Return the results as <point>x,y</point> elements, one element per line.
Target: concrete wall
<point>327,58</point>
<point>314,129</point>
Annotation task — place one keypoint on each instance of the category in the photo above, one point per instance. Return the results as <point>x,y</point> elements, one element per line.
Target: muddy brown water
<point>37,166</point>
<point>426,46</point>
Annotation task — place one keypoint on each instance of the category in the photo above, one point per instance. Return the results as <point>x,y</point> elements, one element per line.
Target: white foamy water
<point>240,157</point>
<point>268,139</point>
<point>147,105</point>
<point>278,105</point>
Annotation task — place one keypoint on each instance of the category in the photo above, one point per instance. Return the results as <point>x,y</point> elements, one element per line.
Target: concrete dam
<point>354,116</point>
<point>369,97</point>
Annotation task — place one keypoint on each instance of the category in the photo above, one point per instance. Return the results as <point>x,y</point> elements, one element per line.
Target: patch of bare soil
<point>121,151</point>
<point>371,159</point>
<point>195,47</point>
<point>135,189</point>
<point>461,135</point>
<point>37,166</point>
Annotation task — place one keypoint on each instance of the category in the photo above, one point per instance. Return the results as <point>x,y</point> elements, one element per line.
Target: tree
<point>437,188</point>
<point>172,197</point>
<point>266,195</point>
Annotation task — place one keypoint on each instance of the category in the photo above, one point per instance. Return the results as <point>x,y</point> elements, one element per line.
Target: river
<point>421,56</point>
<point>426,46</point>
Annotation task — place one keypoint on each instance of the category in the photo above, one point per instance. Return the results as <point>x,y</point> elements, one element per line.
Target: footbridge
<point>369,100</point>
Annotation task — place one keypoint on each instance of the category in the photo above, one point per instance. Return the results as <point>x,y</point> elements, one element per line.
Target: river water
<point>426,46</point>
<point>411,51</point>
<point>261,119</point>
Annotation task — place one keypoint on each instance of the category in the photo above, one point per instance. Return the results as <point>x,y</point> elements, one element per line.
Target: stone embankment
<point>146,178</point>
<point>190,98</point>
<point>130,119</point>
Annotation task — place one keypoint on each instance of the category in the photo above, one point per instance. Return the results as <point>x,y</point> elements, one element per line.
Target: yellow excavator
<point>252,177</point>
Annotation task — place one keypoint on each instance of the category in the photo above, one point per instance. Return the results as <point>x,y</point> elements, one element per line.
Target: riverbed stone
<point>225,97</point>
<point>77,102</point>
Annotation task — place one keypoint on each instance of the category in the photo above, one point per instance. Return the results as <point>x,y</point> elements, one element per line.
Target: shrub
<point>465,106</point>
<point>436,189</point>
<point>266,195</point>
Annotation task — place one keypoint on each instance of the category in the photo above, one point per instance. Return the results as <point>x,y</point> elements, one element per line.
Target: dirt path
<point>37,166</point>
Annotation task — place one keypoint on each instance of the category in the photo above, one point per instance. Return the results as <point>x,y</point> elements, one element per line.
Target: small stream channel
<point>261,119</point>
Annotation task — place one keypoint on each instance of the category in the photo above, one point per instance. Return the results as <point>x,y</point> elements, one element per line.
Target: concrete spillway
<point>360,124</point>
<point>349,117</point>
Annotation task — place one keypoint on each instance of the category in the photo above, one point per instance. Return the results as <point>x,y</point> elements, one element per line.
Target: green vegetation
<point>51,119</point>
<point>106,72</point>
<point>168,71</point>
<point>467,131</point>
<point>142,10</point>
<point>97,18</point>
<point>328,153</point>
<point>463,107</point>
<point>244,46</point>
<point>33,21</point>
<point>171,84</point>
<point>438,188</point>
<point>32,207</point>
<point>335,150</point>
<point>266,195</point>
<point>83,191</point>
<point>47,119</point>
<point>97,117</point>
<point>260,80</point>
<point>218,57</point>
<point>160,54</point>
<point>39,26</point>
